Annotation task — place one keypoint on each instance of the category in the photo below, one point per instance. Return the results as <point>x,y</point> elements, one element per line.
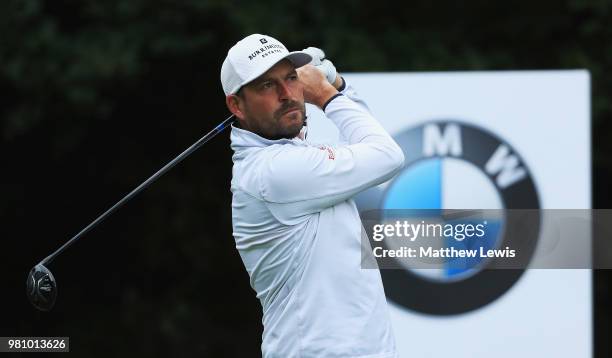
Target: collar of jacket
<point>243,139</point>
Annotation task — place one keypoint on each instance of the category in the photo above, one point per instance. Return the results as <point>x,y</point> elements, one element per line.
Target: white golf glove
<point>323,65</point>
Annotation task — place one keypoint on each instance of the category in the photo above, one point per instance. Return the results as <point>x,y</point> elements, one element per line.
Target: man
<point>296,228</point>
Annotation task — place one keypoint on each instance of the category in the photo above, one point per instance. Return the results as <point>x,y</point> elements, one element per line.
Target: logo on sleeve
<point>330,152</point>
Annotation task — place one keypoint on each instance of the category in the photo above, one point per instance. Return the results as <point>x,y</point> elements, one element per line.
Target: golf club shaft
<point>218,129</point>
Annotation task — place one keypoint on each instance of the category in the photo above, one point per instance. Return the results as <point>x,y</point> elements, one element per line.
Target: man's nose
<point>284,92</point>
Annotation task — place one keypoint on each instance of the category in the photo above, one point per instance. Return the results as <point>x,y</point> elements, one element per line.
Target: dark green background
<point>97,95</point>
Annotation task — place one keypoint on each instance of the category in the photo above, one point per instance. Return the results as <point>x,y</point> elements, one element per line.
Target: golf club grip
<point>218,129</point>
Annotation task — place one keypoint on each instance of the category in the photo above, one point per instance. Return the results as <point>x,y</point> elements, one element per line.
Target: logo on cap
<point>263,41</point>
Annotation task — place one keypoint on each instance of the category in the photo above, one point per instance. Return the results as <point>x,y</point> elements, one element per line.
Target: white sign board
<point>485,140</point>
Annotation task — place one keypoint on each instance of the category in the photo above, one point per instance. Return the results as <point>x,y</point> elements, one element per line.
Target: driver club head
<point>41,288</point>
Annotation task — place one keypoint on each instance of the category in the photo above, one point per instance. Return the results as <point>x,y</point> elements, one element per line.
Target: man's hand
<point>324,65</point>
<point>317,90</point>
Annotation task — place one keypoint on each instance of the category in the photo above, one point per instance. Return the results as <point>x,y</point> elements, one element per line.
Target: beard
<point>278,124</point>
<point>292,129</point>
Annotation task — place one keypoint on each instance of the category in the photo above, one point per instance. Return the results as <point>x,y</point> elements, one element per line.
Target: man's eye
<point>293,77</point>
<point>266,85</point>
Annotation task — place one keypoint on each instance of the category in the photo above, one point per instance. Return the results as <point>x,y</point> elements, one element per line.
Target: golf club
<point>41,285</point>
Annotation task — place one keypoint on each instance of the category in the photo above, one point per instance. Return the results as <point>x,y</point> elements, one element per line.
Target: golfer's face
<point>273,104</point>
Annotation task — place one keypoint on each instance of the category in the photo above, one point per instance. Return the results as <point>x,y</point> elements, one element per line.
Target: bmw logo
<point>451,164</point>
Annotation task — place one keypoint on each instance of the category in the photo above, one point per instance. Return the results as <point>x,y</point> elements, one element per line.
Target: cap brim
<point>298,58</point>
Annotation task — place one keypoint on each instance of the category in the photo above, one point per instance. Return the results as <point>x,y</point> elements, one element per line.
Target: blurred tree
<point>96,95</point>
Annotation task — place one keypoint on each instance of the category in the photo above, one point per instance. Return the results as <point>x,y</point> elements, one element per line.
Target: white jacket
<point>299,235</point>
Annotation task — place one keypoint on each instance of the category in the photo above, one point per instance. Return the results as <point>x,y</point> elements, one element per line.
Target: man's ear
<point>235,105</point>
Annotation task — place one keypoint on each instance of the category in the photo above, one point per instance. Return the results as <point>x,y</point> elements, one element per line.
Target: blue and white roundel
<point>454,165</point>
<point>447,183</point>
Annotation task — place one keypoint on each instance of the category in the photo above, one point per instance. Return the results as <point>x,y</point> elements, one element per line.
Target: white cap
<point>251,57</point>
